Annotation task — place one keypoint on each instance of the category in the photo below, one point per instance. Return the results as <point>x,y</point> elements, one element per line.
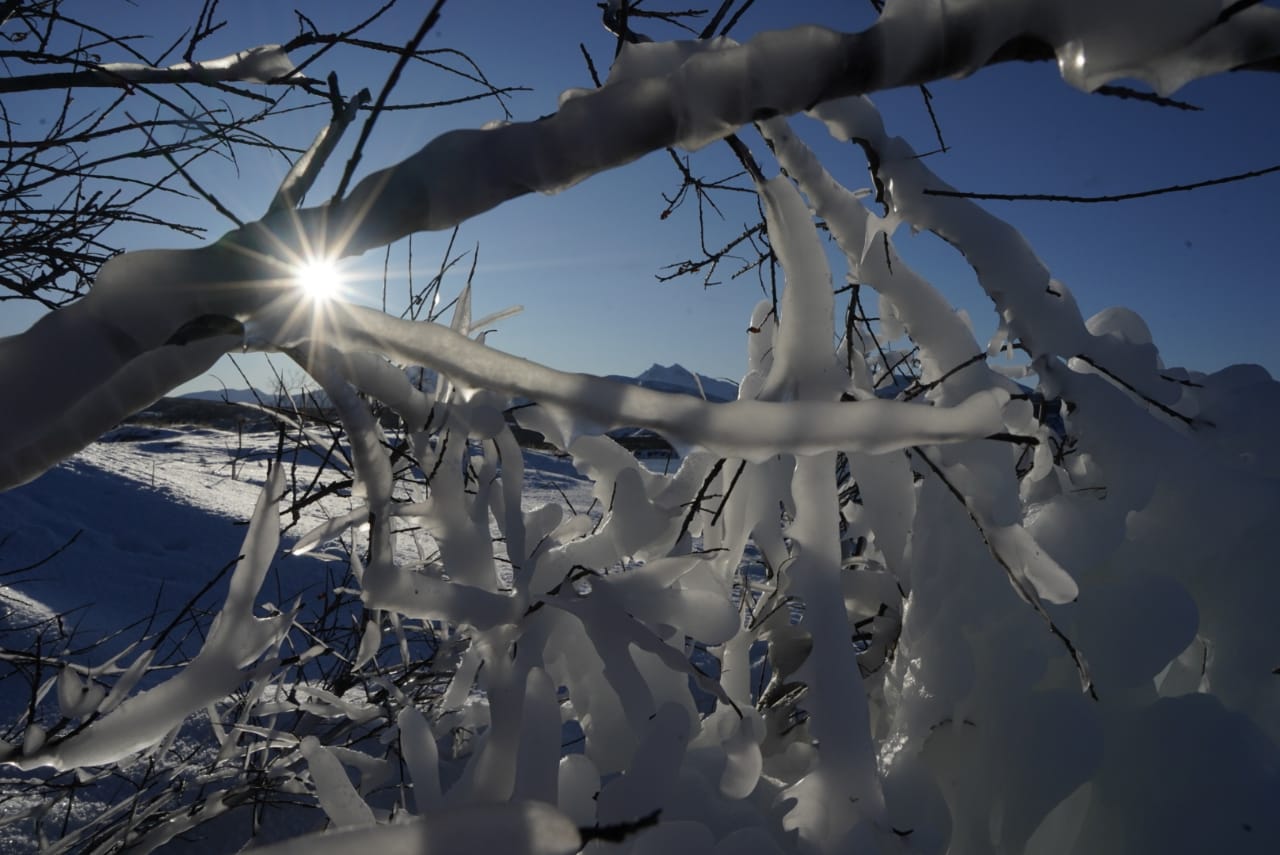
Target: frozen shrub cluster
<point>980,617</point>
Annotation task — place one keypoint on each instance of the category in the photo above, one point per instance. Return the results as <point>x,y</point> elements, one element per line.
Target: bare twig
<point>1027,594</point>
<point>1168,411</point>
<point>1116,91</point>
<point>392,79</point>
<point>1117,197</point>
<point>191,182</point>
<point>54,554</point>
<point>307,168</point>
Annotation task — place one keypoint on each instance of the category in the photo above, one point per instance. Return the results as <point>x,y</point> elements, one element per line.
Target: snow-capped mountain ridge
<point>677,378</point>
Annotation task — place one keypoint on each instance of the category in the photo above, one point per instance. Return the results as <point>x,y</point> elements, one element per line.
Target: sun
<point>319,278</point>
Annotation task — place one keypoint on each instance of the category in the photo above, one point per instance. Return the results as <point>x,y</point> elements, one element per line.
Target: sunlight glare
<point>320,279</point>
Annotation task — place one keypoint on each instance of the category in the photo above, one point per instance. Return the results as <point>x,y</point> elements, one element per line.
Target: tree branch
<point>241,67</point>
<point>1117,197</point>
<point>466,172</point>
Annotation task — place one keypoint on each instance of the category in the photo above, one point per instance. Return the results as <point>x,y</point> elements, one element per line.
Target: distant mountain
<point>232,396</point>
<point>422,378</point>
<point>663,378</point>
<point>252,396</point>
<point>677,378</point>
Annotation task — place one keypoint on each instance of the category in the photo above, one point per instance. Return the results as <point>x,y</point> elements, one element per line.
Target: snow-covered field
<point>121,538</point>
<point>155,512</point>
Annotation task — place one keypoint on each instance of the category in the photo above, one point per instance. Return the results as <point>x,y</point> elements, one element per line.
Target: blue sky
<point>1197,266</point>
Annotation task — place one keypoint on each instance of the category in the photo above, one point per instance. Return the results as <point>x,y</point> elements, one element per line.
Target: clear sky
<point>1198,266</point>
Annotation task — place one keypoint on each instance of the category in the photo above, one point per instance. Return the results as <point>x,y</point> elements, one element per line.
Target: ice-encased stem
<point>753,430</point>
<point>843,791</point>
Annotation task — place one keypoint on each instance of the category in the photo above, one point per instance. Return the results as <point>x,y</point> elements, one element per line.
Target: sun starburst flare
<point>320,279</point>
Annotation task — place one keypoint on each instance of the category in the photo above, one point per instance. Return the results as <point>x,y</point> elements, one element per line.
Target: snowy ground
<point>130,530</point>
<point>155,512</point>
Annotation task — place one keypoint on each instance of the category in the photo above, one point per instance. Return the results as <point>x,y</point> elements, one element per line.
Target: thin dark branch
<point>495,92</point>
<point>1168,411</point>
<point>740,150</point>
<point>873,166</point>
<point>327,42</point>
<point>1119,197</point>
<point>7,10</point>
<point>191,182</point>
<point>392,79</point>
<point>733,482</point>
<point>1234,9</point>
<point>46,559</point>
<point>1014,438</point>
<point>305,169</point>
<point>737,16</point>
<point>620,831</point>
<point>710,29</point>
<point>920,388</point>
<point>696,504</point>
<point>1146,97</point>
<point>1019,585</point>
<point>937,129</point>
<point>591,66</point>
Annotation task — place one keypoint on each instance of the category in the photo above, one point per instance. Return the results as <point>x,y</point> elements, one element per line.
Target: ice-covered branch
<point>752,430</point>
<point>691,94</point>
<point>262,64</point>
<point>236,640</point>
<point>76,372</point>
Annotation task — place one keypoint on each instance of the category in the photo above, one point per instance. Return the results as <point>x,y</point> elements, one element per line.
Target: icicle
<point>339,800</point>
